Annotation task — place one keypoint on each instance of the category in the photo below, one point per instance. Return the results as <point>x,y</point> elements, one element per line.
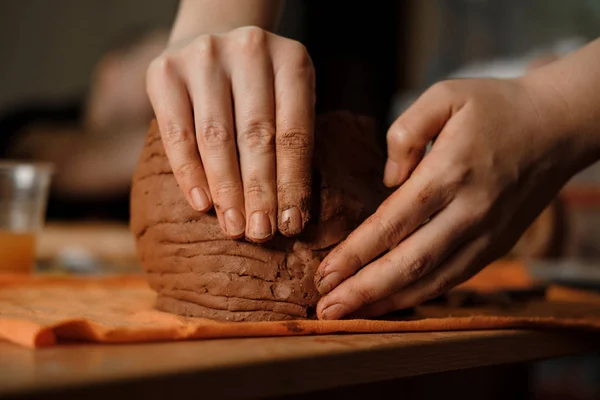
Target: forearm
<point>570,96</point>
<point>85,165</point>
<point>196,17</point>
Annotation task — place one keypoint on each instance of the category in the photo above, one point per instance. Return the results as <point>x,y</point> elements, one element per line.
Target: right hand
<point>236,114</point>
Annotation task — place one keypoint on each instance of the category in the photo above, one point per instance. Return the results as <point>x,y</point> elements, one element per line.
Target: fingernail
<point>334,311</point>
<point>291,219</point>
<point>200,199</point>
<point>329,282</point>
<point>260,225</point>
<point>234,222</point>
<point>391,172</point>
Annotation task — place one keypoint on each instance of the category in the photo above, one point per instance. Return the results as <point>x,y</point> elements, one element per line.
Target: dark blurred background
<point>71,75</point>
<point>72,92</point>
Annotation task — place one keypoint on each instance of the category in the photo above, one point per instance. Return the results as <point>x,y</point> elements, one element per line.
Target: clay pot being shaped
<point>197,271</point>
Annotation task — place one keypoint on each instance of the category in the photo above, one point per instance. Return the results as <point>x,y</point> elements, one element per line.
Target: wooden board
<point>251,368</point>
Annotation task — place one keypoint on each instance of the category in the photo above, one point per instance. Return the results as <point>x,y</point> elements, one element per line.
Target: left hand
<point>502,153</point>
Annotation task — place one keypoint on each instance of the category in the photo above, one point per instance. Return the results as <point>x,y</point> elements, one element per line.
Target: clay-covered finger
<point>294,102</point>
<point>254,104</point>
<point>173,109</point>
<point>215,134</point>
<point>418,255</point>
<point>397,217</point>
<point>461,266</point>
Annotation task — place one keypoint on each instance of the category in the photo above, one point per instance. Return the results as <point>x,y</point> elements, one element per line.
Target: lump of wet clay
<point>197,271</point>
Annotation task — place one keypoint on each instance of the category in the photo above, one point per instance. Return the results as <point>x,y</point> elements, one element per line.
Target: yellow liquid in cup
<point>17,252</point>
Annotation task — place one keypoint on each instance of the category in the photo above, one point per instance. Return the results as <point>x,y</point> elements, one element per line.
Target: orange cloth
<point>42,311</point>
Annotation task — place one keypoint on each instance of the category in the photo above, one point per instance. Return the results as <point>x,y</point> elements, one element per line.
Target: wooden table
<point>348,366</point>
<point>416,365</point>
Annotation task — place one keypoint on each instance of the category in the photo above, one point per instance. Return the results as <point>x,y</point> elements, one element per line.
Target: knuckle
<point>355,261</point>
<point>299,186</point>
<point>187,169</point>
<point>413,268</point>
<point>298,61</point>
<point>387,231</point>
<point>251,38</point>
<point>294,139</point>
<point>205,47</point>
<point>226,189</point>
<point>298,53</point>
<point>451,175</point>
<point>175,134</point>
<point>459,174</point>
<point>214,133</point>
<point>161,66</point>
<point>401,138</point>
<point>258,135</point>
<point>399,134</point>
<point>364,294</point>
<point>254,188</point>
<point>294,193</point>
<point>444,89</point>
<point>350,261</point>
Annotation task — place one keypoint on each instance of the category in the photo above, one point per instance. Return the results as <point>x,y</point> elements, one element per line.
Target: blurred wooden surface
<point>260,367</point>
<point>415,363</point>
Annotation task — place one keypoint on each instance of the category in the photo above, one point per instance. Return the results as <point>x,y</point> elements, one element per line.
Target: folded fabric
<point>38,311</point>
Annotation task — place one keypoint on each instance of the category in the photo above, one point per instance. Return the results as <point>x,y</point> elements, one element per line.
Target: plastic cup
<point>24,191</point>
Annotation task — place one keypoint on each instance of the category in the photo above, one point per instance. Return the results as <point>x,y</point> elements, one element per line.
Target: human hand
<point>502,153</point>
<point>236,113</point>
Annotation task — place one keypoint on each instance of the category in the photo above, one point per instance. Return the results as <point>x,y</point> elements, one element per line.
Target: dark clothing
<point>354,50</point>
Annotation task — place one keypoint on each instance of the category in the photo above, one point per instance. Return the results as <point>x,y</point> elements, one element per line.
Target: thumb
<point>409,135</point>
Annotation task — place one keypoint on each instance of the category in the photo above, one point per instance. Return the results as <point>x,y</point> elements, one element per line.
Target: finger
<point>413,259</point>
<point>171,104</point>
<point>211,96</point>
<point>409,135</point>
<point>396,218</point>
<point>461,266</point>
<point>294,102</point>
<point>252,80</point>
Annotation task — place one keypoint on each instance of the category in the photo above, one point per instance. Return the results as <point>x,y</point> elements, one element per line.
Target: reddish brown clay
<point>197,271</point>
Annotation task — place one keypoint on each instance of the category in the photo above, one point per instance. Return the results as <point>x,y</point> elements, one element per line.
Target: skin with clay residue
<point>318,279</point>
<point>424,196</point>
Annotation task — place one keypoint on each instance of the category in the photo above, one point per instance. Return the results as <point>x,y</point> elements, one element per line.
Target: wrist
<point>202,17</point>
<point>575,144</point>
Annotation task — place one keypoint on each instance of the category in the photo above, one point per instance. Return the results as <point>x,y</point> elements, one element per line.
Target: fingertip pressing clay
<point>197,271</point>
